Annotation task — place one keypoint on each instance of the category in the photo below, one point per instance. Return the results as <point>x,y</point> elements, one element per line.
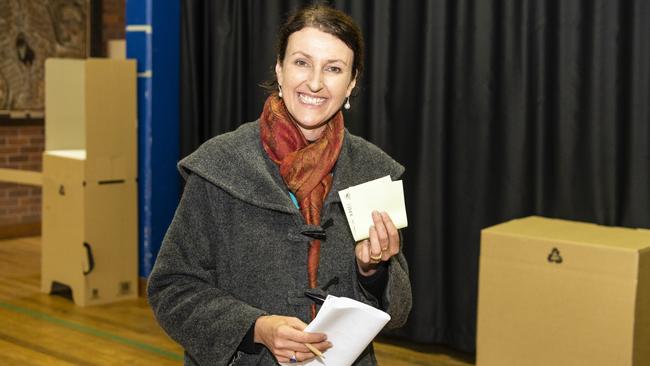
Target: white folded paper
<point>381,195</point>
<point>350,325</point>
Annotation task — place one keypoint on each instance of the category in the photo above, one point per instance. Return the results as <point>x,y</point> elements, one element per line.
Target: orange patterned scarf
<point>305,167</point>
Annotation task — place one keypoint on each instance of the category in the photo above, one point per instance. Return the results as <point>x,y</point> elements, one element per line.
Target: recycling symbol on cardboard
<point>554,256</point>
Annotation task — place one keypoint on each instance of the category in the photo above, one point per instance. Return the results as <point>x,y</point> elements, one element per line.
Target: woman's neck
<point>312,135</point>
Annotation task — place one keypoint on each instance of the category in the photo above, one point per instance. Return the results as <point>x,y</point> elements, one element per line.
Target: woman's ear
<point>353,83</point>
<point>278,71</point>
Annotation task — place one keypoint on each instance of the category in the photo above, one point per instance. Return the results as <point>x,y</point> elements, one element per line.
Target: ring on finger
<point>293,359</point>
<point>375,257</point>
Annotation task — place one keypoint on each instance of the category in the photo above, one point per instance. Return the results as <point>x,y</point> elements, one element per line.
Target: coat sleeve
<point>397,298</point>
<point>183,290</point>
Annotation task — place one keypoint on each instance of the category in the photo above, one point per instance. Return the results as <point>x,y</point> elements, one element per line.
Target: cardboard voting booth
<point>89,234</point>
<point>555,292</point>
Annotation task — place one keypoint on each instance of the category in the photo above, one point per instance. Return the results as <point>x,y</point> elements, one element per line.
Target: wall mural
<point>30,32</point>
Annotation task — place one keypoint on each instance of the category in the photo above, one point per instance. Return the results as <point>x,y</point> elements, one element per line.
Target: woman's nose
<point>315,81</point>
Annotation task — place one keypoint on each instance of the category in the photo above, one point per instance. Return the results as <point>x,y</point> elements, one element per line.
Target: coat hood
<point>237,163</point>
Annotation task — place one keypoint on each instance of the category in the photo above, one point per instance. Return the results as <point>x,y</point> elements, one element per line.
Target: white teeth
<point>310,100</point>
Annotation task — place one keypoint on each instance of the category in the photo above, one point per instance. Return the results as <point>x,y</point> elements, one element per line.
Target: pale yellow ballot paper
<point>350,325</point>
<point>376,195</point>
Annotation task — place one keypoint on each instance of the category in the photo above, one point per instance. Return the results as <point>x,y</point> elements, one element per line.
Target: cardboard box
<point>92,105</point>
<point>90,232</point>
<point>555,292</point>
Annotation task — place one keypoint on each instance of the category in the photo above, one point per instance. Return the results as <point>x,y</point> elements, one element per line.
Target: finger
<point>375,248</point>
<point>301,347</point>
<point>289,334</point>
<point>382,233</point>
<point>285,355</point>
<point>362,251</point>
<point>300,335</point>
<point>296,347</point>
<point>304,356</point>
<point>393,234</point>
<point>307,337</point>
<point>322,346</point>
<point>314,337</point>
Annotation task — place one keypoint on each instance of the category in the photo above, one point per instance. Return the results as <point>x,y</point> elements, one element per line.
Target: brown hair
<point>328,20</point>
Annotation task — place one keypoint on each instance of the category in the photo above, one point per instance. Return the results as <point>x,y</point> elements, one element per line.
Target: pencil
<point>314,350</point>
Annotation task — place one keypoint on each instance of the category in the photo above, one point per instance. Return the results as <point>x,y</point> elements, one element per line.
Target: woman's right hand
<point>285,338</point>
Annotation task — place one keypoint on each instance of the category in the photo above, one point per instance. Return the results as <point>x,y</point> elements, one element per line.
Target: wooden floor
<point>41,329</point>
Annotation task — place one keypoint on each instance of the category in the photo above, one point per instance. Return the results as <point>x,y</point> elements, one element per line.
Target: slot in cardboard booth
<point>89,229</point>
<point>555,292</point>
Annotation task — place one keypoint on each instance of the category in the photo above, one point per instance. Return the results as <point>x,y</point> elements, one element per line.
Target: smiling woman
<point>315,78</point>
<point>233,277</point>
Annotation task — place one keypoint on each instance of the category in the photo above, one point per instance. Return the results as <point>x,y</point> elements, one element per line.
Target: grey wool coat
<point>236,249</point>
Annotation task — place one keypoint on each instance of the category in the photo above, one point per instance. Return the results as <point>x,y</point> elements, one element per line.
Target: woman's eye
<point>334,69</point>
<point>300,63</point>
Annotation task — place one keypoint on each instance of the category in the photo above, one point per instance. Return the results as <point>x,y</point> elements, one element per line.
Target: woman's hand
<point>381,246</point>
<point>285,338</point>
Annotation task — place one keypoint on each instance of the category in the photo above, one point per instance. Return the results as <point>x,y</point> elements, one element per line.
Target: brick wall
<point>21,147</point>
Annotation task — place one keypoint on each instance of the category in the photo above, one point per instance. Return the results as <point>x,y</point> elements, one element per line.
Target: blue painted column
<point>152,38</point>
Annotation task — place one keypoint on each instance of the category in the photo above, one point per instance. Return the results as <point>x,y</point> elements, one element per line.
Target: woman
<point>260,223</point>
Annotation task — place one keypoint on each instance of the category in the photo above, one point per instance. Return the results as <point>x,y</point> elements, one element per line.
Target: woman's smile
<point>311,100</point>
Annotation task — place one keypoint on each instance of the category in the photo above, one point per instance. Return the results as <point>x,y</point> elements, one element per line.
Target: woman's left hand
<point>381,246</point>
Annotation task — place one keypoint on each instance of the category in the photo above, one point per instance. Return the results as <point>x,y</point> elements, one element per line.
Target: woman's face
<point>316,77</point>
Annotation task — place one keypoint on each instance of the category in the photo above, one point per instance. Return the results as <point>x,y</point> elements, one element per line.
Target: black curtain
<point>498,109</point>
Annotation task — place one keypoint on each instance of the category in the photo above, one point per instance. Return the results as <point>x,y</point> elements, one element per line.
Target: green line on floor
<point>91,331</point>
